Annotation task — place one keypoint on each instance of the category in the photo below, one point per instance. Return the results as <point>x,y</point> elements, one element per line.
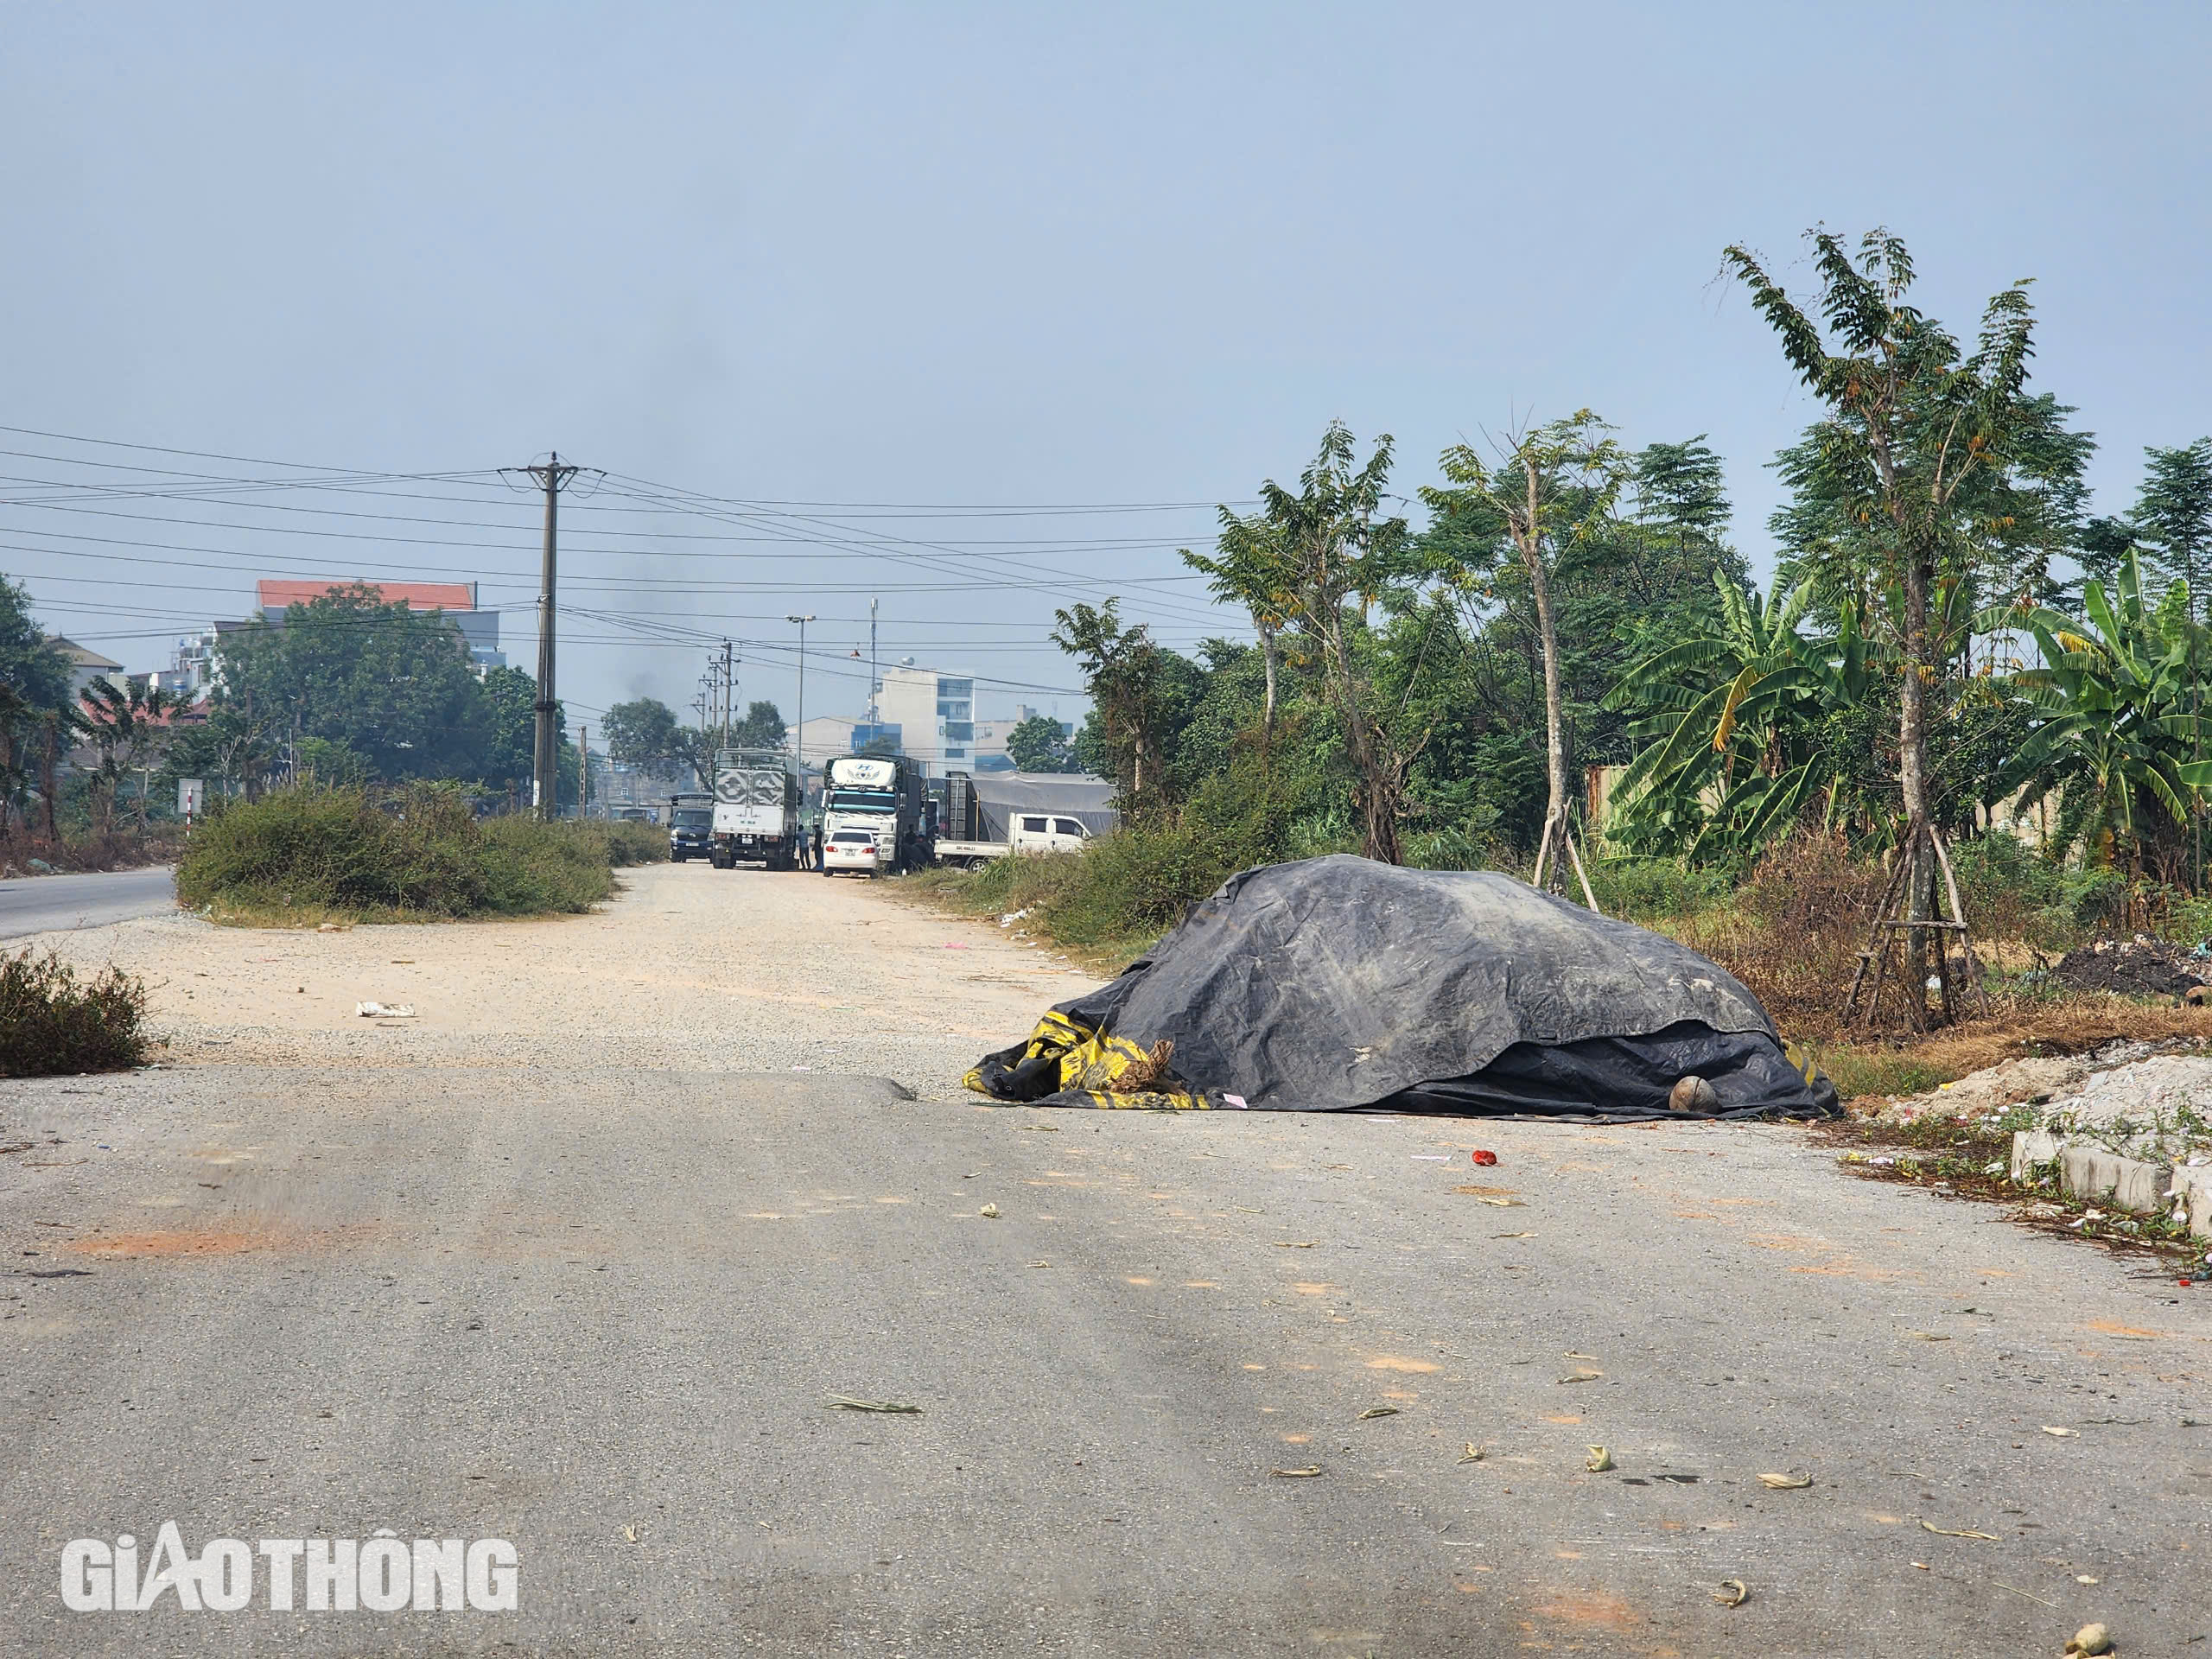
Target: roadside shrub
<point>51,1025</point>
<point>308,853</point>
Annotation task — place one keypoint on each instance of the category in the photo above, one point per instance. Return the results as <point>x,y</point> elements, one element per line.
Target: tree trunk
<point>1912,778</point>
<point>1268,656</point>
<point>1375,788</point>
<point>1554,731</point>
<point>47,765</point>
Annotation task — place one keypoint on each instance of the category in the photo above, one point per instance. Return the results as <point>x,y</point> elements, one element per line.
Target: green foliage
<point>761,729</point>
<point>51,1025</point>
<point>1037,744</point>
<point>642,735</point>
<point>2117,728</point>
<point>396,686</point>
<point>1733,720</point>
<point>2172,520</point>
<point>419,854</point>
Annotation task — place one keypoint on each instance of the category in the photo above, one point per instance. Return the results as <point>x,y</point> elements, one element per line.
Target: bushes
<point>308,853</point>
<point>50,1024</point>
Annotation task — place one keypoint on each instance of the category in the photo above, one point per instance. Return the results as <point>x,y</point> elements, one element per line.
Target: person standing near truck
<point>818,864</point>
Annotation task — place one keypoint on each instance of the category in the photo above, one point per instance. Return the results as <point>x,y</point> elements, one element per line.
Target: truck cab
<point>1048,832</point>
<point>690,827</point>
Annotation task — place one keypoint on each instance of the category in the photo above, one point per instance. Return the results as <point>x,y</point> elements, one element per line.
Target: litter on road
<point>847,1402</point>
<point>1338,983</point>
<point>384,1010</point>
<point>1788,1483</point>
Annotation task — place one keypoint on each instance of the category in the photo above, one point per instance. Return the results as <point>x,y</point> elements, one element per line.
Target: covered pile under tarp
<point>1334,983</point>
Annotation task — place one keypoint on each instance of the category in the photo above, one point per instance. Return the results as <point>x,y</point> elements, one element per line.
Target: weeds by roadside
<point>308,854</point>
<point>52,1025</point>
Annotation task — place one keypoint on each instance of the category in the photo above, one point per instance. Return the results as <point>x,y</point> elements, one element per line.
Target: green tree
<point>1324,558</point>
<point>125,725</point>
<point>34,694</point>
<point>1911,421</point>
<point>2172,519</point>
<point>641,735</point>
<point>1735,723</point>
<point>1037,744</point>
<point>761,729</point>
<point>2116,731</point>
<point>395,686</point>
<point>1551,490</point>
<point>1121,669</point>
<point>1247,568</point>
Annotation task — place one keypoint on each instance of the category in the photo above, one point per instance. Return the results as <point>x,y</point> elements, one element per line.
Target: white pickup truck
<point>1033,832</point>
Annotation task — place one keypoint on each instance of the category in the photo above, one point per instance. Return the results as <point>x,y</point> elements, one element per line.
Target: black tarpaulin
<point>1336,983</point>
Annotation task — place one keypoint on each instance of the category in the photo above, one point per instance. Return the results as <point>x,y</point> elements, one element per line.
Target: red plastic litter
<point>2183,1283</point>
<point>1485,1158</point>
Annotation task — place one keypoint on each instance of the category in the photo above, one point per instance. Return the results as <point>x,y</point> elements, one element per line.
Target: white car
<point>850,849</point>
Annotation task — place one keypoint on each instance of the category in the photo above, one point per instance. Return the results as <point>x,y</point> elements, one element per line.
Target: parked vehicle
<point>851,850</point>
<point>886,797</point>
<point>756,810</point>
<point>1042,816</point>
<point>1029,832</point>
<point>690,827</point>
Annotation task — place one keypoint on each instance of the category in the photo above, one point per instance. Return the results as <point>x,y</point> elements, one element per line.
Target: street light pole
<point>799,727</point>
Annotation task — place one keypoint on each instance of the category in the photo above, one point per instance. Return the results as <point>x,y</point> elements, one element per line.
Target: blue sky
<point>968,254</point>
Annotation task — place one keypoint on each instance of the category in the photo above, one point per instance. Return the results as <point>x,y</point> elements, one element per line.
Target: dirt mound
<point>2137,967</point>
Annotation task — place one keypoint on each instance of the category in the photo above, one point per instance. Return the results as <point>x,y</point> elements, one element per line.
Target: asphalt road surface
<point>599,1314</point>
<point>53,904</point>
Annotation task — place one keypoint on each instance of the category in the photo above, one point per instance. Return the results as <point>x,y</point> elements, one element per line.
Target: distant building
<point>87,666</point>
<point>935,714</point>
<point>991,736</point>
<point>826,734</point>
<point>275,597</point>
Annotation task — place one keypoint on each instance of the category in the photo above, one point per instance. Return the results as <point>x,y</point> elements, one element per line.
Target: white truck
<point>756,810</point>
<point>1029,832</point>
<point>882,796</point>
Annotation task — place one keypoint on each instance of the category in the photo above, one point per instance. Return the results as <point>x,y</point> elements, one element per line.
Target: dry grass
<point>1866,1068</point>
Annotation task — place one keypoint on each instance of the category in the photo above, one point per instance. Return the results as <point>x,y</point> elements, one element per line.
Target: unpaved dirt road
<point>574,1259</point>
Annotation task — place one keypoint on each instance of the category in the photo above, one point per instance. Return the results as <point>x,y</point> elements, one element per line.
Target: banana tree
<point>2117,735</point>
<point>1731,726</point>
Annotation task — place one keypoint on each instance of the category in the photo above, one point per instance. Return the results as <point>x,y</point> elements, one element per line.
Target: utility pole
<point>583,771</point>
<point>544,780</point>
<point>729,689</point>
<point>798,727</point>
<point>875,715</point>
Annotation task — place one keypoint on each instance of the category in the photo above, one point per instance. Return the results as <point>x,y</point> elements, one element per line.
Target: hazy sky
<point>953,255</point>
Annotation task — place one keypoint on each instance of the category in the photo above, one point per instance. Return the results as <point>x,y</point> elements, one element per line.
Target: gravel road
<point>514,1271</point>
<point>690,968</point>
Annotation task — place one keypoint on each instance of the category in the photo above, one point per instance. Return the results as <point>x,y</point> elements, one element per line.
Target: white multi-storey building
<point>934,713</point>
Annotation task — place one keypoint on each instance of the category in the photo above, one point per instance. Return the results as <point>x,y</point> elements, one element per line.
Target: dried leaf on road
<point>1581,1377</point>
<point>1599,1461</point>
<point>1792,1482</point>
<point>1473,1453</point>
<point>1040,1128</point>
<point>988,1213</point>
<point>846,1402</point>
<point>1927,1336</point>
<point>1480,1196</point>
<point>1294,1244</point>
<point>1297,1474</point>
<point>1740,1591</point>
<point>1947,1532</point>
<point>1512,1235</point>
<point>1377,1411</point>
<point>2063,1433</point>
<point>2090,1639</point>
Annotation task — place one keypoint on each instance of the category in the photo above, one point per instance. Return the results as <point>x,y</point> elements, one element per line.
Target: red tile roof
<point>276,595</point>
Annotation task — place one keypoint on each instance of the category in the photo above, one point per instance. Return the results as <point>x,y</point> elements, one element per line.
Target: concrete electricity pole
<point>798,727</point>
<point>545,771</point>
<point>729,692</point>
